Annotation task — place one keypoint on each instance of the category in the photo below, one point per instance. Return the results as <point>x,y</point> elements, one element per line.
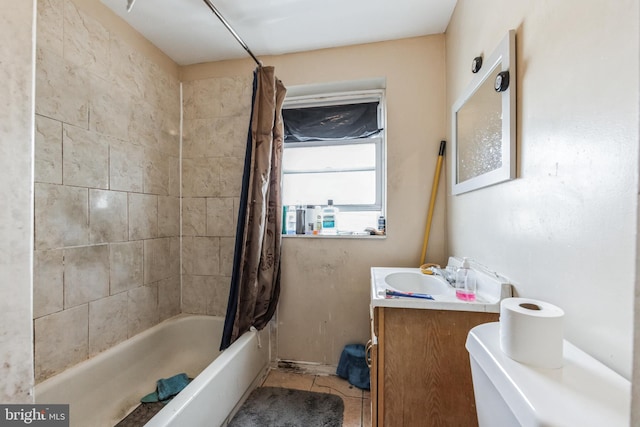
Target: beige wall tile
<point>16,187</point>
<point>217,303</point>
<point>61,216</point>
<point>125,112</point>
<point>175,248</point>
<point>234,96</point>
<point>236,208</point>
<point>201,178</point>
<point>231,171</point>
<point>126,266</point>
<point>108,322</point>
<point>215,137</point>
<point>156,172</point>
<point>163,88</point>
<point>169,131</point>
<point>62,90</point>
<point>110,108</point>
<point>217,97</point>
<point>197,291</point>
<point>168,297</point>
<point>194,216</point>
<point>201,255</point>
<point>143,216</point>
<point>227,246</point>
<point>196,138</point>
<point>48,270</point>
<point>126,167</point>
<point>168,216</point>
<point>61,341</point>
<point>107,216</point>
<point>157,260</point>
<point>144,123</point>
<point>174,176</point>
<point>48,155</point>
<point>126,67</point>
<point>50,25</point>
<point>189,106</point>
<point>221,217</point>
<point>85,158</point>
<point>86,274</point>
<point>142,309</point>
<point>86,41</point>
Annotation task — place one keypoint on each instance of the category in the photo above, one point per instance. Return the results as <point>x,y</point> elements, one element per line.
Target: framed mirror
<point>484,124</point>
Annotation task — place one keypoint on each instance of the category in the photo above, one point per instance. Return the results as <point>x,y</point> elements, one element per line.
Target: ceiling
<point>189,33</point>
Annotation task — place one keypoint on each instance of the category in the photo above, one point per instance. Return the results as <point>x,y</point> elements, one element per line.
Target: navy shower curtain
<point>255,280</point>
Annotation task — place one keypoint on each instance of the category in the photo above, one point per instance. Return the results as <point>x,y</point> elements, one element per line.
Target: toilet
<point>584,392</point>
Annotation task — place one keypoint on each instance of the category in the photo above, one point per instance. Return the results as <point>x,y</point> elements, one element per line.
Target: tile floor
<point>357,403</point>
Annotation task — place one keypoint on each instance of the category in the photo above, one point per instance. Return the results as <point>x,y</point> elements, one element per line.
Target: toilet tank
<point>584,392</point>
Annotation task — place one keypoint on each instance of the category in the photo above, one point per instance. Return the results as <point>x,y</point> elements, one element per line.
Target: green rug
<point>283,407</point>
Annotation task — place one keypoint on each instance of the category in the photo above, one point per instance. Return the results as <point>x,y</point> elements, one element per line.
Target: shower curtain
<point>255,280</point>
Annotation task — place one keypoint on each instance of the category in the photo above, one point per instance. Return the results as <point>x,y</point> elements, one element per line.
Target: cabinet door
<point>426,374</point>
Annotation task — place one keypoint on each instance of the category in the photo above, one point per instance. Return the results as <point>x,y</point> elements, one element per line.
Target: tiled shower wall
<point>107,212</point>
<point>216,116</point>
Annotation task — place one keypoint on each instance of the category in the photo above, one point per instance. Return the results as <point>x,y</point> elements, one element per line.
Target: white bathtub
<point>104,389</point>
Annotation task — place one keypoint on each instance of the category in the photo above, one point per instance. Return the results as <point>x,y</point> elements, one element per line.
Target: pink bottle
<point>465,282</point>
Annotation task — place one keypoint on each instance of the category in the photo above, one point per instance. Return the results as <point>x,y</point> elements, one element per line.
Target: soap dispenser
<point>465,282</point>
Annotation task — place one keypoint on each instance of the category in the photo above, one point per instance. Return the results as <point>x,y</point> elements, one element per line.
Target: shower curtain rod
<point>231,30</point>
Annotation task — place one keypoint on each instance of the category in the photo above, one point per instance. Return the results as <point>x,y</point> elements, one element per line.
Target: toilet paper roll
<point>531,332</point>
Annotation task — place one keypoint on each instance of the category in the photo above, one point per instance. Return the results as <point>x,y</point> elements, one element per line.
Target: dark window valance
<point>348,121</point>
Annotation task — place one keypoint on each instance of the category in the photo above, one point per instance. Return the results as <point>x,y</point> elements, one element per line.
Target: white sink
<point>417,282</point>
<point>491,289</point>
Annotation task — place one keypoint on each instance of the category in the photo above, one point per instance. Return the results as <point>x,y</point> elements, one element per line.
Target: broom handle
<point>432,202</point>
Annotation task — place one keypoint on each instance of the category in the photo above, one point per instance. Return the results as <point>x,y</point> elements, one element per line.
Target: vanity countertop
<point>491,290</point>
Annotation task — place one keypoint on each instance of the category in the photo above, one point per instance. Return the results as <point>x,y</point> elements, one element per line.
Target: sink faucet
<point>447,274</point>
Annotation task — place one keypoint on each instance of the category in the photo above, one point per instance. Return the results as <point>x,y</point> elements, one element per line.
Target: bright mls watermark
<point>34,415</point>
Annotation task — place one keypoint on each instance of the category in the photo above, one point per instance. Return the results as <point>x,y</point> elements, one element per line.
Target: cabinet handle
<point>367,353</point>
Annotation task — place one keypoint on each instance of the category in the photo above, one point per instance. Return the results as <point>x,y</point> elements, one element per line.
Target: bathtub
<point>104,389</point>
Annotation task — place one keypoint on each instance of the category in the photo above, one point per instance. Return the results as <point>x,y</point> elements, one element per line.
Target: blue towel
<point>171,386</point>
<point>167,388</point>
<point>353,366</point>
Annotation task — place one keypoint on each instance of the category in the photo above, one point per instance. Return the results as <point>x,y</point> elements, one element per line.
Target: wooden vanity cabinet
<point>420,370</point>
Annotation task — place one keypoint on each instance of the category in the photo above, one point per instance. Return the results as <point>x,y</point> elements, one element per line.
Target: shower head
<point>130,5</point>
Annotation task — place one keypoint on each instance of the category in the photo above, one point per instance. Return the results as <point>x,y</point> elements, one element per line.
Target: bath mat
<point>283,407</point>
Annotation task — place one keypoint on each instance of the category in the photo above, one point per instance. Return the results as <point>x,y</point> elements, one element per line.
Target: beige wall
<point>325,282</point>
<point>564,231</point>
<point>216,117</point>
<point>107,208</point>
<point>16,193</point>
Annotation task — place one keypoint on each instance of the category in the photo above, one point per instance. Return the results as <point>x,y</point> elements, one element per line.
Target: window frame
<point>379,140</point>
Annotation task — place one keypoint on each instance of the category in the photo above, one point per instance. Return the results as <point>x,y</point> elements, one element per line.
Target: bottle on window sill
<point>291,220</point>
<point>317,214</point>
<point>329,219</point>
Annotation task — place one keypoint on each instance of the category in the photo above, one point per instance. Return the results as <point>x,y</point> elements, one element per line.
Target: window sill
<point>334,236</point>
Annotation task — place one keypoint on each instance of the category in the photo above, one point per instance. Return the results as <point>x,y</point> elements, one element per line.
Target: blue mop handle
<point>390,293</point>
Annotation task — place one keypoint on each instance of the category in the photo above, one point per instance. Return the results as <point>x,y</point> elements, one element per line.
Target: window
<point>334,149</point>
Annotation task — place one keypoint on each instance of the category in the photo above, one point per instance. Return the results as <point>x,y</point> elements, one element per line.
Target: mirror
<point>483,124</point>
